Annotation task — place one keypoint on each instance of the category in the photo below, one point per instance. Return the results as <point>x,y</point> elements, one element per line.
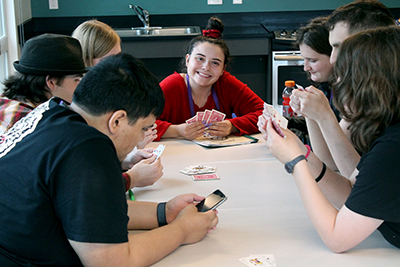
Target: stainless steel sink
<point>159,31</point>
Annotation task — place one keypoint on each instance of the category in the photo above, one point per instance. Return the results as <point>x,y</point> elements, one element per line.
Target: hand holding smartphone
<point>211,202</point>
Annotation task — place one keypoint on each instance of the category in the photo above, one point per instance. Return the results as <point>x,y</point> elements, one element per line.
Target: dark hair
<point>213,24</point>
<point>120,82</point>
<point>367,87</point>
<point>28,87</point>
<point>361,15</point>
<point>315,35</point>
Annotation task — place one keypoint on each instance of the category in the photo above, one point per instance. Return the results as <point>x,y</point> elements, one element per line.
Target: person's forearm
<point>321,212</point>
<point>335,187</point>
<point>319,145</point>
<point>172,132</point>
<point>343,153</point>
<point>142,215</point>
<point>150,247</point>
<point>142,249</point>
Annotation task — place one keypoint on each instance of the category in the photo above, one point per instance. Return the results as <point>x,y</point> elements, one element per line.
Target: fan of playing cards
<point>278,121</point>
<point>208,117</point>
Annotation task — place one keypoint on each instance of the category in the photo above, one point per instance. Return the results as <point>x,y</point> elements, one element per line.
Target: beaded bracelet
<point>308,150</point>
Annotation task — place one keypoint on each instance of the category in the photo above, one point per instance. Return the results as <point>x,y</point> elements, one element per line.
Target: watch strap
<point>161,216</point>
<point>289,166</point>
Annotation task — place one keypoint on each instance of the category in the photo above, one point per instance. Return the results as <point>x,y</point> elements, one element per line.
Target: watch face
<point>288,168</point>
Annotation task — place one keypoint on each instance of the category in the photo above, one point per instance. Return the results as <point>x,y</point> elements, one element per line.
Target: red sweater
<point>233,97</point>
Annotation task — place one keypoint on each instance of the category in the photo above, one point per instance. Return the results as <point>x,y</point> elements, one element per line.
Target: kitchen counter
<point>243,40</point>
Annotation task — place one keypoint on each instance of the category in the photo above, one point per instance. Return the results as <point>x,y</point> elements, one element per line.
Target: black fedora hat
<point>51,54</point>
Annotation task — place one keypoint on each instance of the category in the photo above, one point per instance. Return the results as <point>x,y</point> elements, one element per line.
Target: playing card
<point>216,116</point>
<point>266,260</point>
<point>277,128</point>
<point>198,169</point>
<point>301,88</point>
<point>207,114</point>
<point>270,111</point>
<point>192,119</point>
<point>200,115</point>
<point>159,150</point>
<point>199,177</point>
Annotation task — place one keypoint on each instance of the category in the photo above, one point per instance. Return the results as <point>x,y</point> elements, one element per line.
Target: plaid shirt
<point>11,111</point>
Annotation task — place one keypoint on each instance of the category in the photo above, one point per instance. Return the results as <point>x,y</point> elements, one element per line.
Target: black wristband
<point>161,216</point>
<point>322,173</point>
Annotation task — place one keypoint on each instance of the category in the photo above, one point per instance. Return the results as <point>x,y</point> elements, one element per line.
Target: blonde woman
<point>98,41</point>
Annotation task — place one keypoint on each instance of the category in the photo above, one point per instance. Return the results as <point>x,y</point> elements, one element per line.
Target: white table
<point>263,214</point>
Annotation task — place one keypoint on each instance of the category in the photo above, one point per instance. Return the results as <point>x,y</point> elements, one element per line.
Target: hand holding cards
<point>207,116</point>
<point>278,121</point>
<point>159,150</point>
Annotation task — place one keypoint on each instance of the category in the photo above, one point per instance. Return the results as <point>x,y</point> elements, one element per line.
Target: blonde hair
<point>96,38</point>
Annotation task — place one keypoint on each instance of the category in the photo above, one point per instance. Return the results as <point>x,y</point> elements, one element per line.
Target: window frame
<point>9,48</point>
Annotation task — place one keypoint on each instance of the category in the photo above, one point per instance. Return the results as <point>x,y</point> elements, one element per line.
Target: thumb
<point>150,159</point>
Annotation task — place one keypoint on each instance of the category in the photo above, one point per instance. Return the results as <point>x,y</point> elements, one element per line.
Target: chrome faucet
<point>143,15</point>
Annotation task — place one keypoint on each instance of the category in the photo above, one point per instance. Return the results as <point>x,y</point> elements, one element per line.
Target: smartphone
<point>212,201</point>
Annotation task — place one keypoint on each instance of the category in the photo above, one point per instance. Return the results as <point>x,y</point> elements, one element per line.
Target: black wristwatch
<point>289,166</point>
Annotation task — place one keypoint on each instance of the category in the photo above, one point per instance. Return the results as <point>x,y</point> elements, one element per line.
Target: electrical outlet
<point>214,2</point>
<point>53,4</point>
<point>237,2</point>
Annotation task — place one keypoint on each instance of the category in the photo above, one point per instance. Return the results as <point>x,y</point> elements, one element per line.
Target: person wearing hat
<point>53,65</point>
<point>50,65</point>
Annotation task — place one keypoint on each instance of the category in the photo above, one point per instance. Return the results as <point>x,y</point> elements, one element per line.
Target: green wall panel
<point>72,8</point>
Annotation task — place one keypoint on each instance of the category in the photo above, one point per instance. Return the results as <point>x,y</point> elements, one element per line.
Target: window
<point>3,44</point>
<point>8,39</point>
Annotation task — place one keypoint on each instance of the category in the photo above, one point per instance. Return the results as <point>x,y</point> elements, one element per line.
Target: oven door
<point>286,65</point>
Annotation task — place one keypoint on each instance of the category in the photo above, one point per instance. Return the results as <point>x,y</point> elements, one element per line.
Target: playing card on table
<point>192,119</point>
<point>216,116</point>
<point>159,150</point>
<point>266,260</point>
<point>198,169</point>
<point>270,111</point>
<point>205,177</point>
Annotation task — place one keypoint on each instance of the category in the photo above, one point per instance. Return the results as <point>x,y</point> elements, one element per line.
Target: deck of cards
<point>278,121</point>
<point>201,172</point>
<point>198,169</point>
<point>259,260</point>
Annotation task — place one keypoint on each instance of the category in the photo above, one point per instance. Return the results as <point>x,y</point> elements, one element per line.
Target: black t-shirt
<point>376,192</point>
<point>60,179</point>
